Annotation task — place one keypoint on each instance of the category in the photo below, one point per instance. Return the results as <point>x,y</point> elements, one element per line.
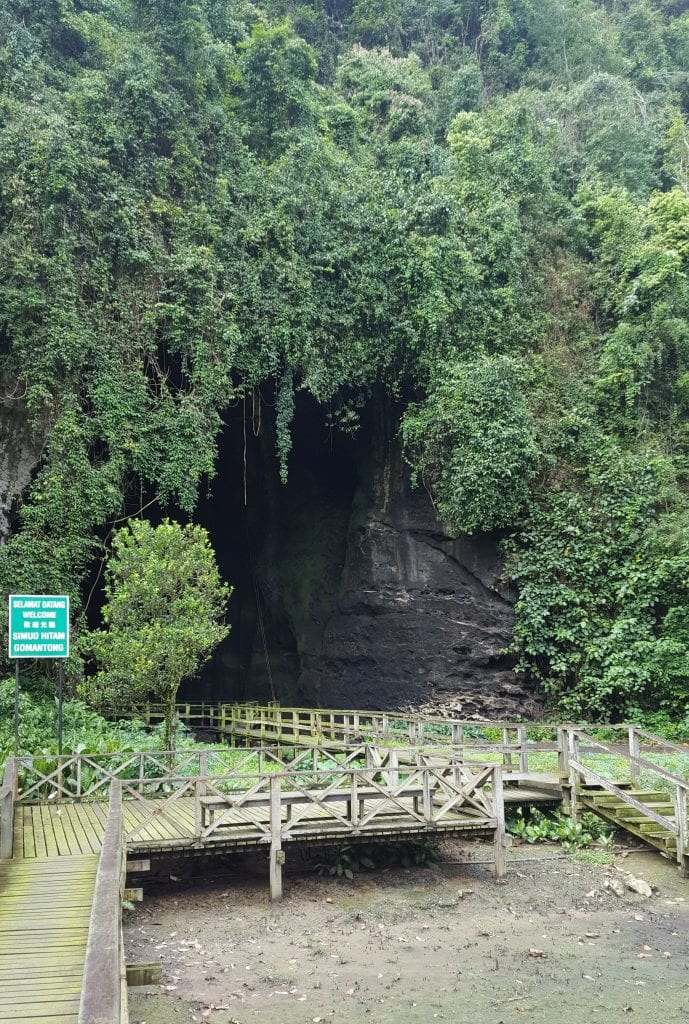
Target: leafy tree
<point>486,220</point>
<point>164,615</point>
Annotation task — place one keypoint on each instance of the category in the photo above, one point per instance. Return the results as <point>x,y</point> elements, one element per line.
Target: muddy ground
<point>447,944</point>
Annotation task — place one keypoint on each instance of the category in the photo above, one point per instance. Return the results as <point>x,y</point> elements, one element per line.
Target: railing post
<point>523,751</point>
<point>199,791</point>
<point>573,755</point>
<point>277,857</point>
<point>393,766</point>
<point>563,752</point>
<point>427,795</point>
<point>354,802</point>
<point>500,842</point>
<point>507,752</point>
<point>458,738</point>
<point>682,830</point>
<point>6,822</point>
<point>634,754</point>
<point>203,771</point>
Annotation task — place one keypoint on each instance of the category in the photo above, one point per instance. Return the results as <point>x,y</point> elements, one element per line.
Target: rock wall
<point>20,451</point>
<point>367,599</point>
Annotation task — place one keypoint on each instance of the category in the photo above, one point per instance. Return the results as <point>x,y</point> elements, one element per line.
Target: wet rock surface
<point>20,451</point>
<point>386,608</point>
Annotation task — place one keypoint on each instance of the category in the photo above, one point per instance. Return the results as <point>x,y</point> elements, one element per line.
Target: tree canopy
<point>483,208</point>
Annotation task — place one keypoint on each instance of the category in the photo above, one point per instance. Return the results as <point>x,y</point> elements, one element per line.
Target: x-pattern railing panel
<point>236,805</point>
<point>394,797</point>
<point>319,797</point>
<point>461,790</point>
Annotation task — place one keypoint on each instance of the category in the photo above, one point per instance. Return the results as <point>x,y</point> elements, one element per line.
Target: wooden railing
<point>515,742</point>
<point>103,995</point>
<point>579,744</point>
<point>8,795</point>
<point>268,798</point>
<point>88,776</point>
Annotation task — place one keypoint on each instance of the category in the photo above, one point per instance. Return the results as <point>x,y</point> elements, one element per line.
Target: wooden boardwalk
<point>45,832</point>
<point>45,910</point>
<point>63,846</point>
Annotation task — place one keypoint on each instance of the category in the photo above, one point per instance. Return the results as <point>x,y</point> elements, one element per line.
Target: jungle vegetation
<point>481,206</point>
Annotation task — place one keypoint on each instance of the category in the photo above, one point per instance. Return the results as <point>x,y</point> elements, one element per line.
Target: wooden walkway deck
<point>45,909</point>
<point>68,830</point>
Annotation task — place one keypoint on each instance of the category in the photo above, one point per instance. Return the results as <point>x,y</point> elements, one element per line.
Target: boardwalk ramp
<point>45,913</point>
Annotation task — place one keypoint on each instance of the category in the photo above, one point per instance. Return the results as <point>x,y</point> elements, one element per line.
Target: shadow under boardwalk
<point>45,908</point>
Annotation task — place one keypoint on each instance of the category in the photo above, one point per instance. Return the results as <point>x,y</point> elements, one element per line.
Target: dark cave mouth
<point>271,546</point>
<point>349,592</point>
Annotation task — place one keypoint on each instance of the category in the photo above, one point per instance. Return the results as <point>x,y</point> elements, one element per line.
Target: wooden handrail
<point>101,994</point>
<point>8,796</point>
<point>680,748</point>
<point>637,761</point>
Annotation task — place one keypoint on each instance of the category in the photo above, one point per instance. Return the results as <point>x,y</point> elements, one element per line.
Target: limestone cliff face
<point>370,602</point>
<point>20,451</point>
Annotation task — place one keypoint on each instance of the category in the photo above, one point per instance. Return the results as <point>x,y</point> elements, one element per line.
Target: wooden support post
<point>394,773</point>
<point>523,751</point>
<point>506,753</point>
<point>354,808</point>
<point>277,857</point>
<point>573,747</point>
<point>458,738</point>
<point>199,790</point>
<point>681,808</point>
<point>203,772</point>
<point>634,754</point>
<point>6,821</point>
<point>500,839</point>
<point>563,767</point>
<point>427,796</point>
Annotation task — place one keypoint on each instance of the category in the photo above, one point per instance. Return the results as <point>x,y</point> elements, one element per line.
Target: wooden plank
<point>102,988</point>
<point>138,865</point>
<point>37,829</point>
<point>80,837</point>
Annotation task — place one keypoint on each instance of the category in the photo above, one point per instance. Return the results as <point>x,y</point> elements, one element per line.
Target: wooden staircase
<point>659,816</point>
<point>625,816</point>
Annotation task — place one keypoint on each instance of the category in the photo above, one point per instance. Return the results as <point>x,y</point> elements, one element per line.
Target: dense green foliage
<point>164,615</point>
<point>482,207</point>
<point>85,731</point>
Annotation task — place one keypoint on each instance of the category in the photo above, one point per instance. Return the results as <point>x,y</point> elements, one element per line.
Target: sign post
<point>39,628</point>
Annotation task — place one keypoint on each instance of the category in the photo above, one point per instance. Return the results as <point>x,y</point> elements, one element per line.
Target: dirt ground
<point>552,943</point>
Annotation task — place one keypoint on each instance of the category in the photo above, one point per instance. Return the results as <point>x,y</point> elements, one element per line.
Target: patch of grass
<point>593,856</point>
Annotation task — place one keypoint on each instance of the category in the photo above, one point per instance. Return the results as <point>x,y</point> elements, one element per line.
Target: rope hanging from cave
<point>254,578</point>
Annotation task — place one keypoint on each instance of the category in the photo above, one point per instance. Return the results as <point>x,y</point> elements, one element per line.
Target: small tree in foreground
<point>164,614</point>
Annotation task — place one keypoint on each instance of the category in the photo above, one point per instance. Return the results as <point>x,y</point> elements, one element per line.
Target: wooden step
<point>642,795</point>
<point>646,825</point>
<point>666,810</point>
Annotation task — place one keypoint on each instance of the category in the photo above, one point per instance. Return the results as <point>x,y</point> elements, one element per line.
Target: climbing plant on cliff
<point>164,614</point>
<point>480,210</point>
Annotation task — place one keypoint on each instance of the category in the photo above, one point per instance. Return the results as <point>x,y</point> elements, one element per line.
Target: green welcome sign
<point>39,626</point>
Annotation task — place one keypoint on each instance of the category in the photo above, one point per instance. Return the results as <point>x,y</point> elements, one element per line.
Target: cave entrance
<point>282,547</point>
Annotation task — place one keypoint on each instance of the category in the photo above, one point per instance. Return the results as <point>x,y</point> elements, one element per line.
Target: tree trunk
<point>170,727</point>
